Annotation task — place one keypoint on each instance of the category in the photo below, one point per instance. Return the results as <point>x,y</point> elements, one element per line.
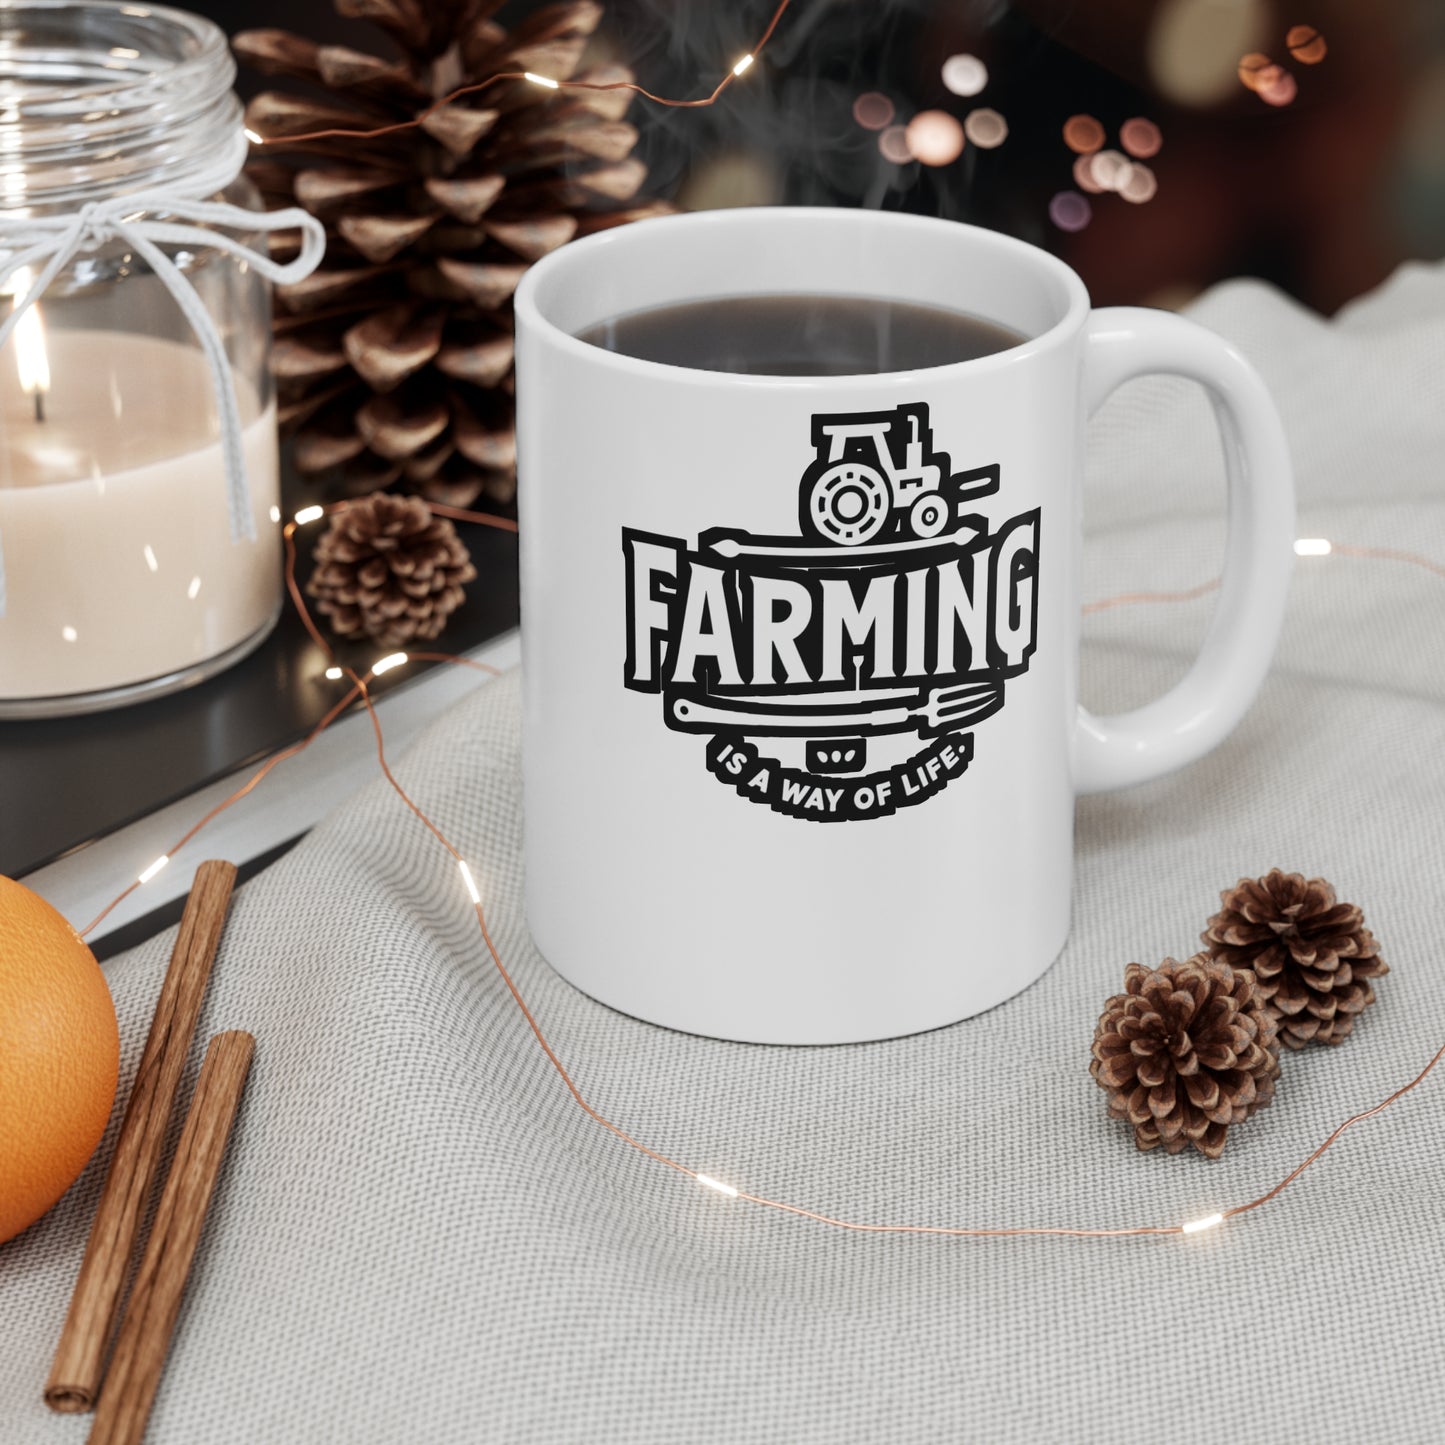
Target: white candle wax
<point>114,522</point>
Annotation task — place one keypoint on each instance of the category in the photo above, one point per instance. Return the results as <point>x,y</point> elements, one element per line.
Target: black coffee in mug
<point>801,335</point>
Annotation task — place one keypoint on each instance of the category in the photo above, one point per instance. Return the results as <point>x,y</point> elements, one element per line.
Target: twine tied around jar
<point>52,242</point>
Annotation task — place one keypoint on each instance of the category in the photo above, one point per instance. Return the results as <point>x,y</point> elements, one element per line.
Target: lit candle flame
<point>31,359</point>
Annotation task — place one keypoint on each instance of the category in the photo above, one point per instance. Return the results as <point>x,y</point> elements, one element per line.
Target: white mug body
<point>800,654</point>
<point>738,891</point>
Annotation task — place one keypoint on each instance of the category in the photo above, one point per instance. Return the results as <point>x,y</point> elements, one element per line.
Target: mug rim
<point>590,250</point>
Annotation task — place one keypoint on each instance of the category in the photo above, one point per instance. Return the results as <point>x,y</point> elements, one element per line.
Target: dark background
<point>1323,196</point>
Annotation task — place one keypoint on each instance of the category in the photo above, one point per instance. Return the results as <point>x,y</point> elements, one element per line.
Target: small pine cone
<point>1185,1051</point>
<point>1312,956</point>
<point>387,569</point>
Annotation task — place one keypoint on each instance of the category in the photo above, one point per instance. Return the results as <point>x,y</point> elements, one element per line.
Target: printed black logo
<point>837,674</point>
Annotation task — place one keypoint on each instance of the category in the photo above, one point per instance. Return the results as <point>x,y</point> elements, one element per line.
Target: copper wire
<point>360,690</point>
<point>1388,554</point>
<point>1340,1129</point>
<point>1131,599</point>
<point>288,532</point>
<point>712,98</point>
<point>254,781</point>
<point>460,514</point>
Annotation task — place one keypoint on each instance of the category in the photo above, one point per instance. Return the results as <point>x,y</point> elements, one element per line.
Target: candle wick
<point>39,404</point>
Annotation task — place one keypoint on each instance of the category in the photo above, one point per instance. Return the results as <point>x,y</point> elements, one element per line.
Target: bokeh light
<point>1140,137</point>
<point>1070,211</point>
<point>1140,184</point>
<point>893,142</point>
<point>1083,134</point>
<point>1194,46</point>
<point>1266,76</point>
<point>873,111</point>
<point>1306,44</point>
<point>1084,175</point>
<point>965,74</point>
<point>934,137</point>
<point>985,128</point>
<point>1110,170</point>
<point>1278,87</point>
<point>1252,66</point>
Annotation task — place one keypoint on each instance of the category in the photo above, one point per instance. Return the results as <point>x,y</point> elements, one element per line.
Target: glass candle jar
<point>128,566</point>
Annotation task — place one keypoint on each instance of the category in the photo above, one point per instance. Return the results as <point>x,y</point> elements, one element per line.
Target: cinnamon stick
<point>155,1298</point>
<point>79,1362</point>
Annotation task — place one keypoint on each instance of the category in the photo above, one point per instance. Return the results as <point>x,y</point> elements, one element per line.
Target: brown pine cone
<point>1185,1051</point>
<point>1313,956</point>
<point>387,569</point>
<point>393,361</point>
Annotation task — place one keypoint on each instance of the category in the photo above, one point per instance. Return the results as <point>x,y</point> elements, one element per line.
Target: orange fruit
<point>59,1056</point>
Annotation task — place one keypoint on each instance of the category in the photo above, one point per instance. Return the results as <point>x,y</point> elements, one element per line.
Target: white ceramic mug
<point>800,654</point>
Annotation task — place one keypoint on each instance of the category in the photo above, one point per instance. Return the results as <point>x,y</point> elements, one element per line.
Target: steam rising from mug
<point>794,138</point>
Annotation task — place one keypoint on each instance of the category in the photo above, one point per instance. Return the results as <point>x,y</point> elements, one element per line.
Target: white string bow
<point>52,242</point>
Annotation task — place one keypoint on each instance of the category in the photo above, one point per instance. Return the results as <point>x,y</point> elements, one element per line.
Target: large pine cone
<point>388,570</point>
<point>1185,1051</point>
<point>1313,956</point>
<point>394,359</point>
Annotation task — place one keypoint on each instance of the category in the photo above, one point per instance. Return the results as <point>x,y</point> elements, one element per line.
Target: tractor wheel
<point>846,503</point>
<point>928,515</point>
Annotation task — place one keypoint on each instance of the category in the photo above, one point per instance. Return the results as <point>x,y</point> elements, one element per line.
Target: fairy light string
<point>333,672</point>
<point>545,82</point>
<point>1303,547</point>
<point>360,691</point>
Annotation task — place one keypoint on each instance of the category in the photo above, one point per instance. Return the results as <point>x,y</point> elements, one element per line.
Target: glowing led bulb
<point>541,80</point>
<point>309,514</point>
<point>155,868</point>
<point>385,664</point>
<point>332,674</point>
<point>1196,1225</point>
<point>707,1181</point>
<point>1313,547</point>
<point>469,880</point>
<point>742,64</point>
<point>256,140</point>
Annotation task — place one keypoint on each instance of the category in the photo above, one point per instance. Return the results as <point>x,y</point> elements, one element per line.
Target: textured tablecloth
<point>419,1238</point>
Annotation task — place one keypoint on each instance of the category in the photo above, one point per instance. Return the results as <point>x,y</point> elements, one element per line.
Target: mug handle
<point>1202,709</point>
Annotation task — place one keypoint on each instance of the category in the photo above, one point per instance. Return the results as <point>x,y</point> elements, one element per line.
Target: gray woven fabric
<point>419,1237</point>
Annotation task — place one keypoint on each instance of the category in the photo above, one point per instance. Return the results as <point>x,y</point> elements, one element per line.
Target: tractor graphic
<point>876,474</point>
<point>876,496</point>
